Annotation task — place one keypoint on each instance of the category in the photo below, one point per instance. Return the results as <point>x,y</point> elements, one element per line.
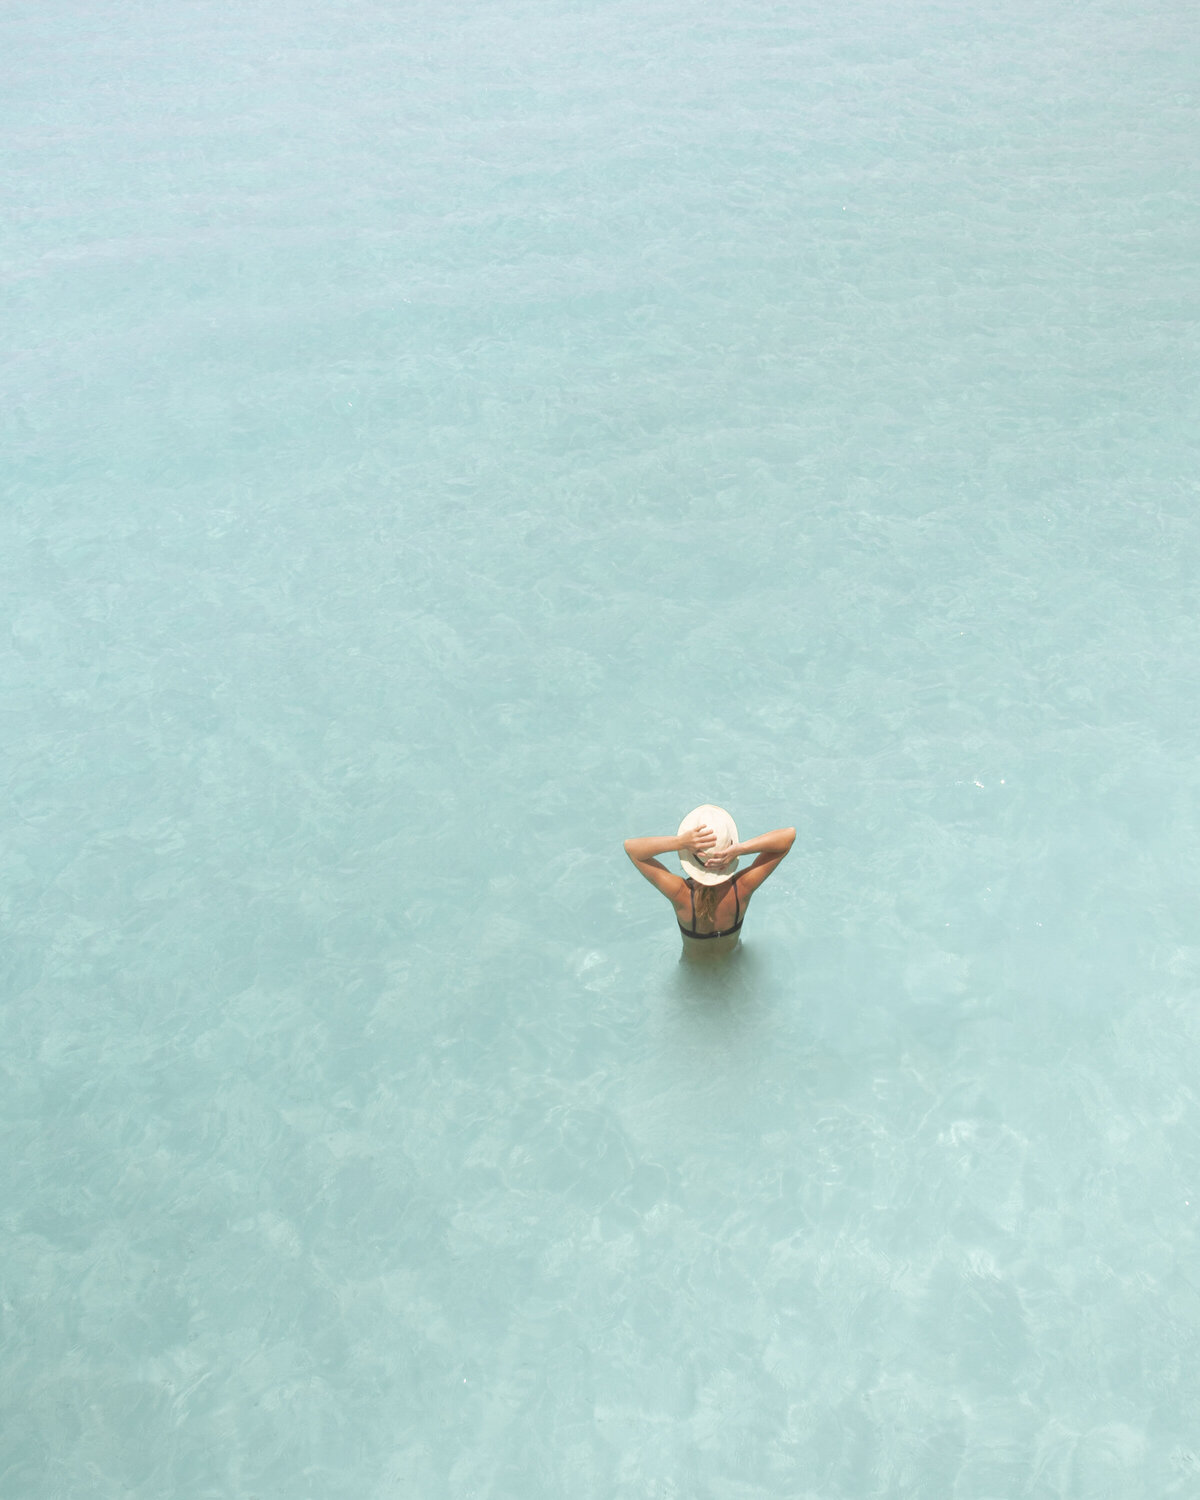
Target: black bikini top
<point>729,931</point>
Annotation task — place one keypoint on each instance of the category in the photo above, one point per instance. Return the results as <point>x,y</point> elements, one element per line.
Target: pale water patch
<point>439,443</point>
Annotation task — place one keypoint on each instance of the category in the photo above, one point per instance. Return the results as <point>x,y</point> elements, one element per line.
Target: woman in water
<point>711,903</point>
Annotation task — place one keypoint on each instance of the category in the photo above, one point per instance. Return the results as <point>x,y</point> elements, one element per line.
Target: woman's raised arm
<point>642,852</point>
<point>700,839</point>
<point>770,848</point>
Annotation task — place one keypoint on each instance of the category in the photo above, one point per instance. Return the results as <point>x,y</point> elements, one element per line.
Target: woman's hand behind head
<point>700,840</point>
<point>719,858</point>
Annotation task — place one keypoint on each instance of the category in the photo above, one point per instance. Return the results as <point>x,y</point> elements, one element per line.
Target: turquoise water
<point>441,442</point>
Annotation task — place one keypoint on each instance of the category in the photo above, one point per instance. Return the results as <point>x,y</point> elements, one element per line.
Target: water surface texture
<point>442,440</point>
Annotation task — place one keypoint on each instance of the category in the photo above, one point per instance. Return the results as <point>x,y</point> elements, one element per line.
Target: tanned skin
<point>711,913</point>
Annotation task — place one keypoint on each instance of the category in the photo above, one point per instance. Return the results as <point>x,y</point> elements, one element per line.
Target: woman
<point>710,904</point>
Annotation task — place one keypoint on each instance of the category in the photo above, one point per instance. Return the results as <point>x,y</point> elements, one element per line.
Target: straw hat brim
<point>726,831</point>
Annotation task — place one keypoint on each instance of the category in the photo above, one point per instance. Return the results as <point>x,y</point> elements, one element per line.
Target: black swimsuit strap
<point>729,931</point>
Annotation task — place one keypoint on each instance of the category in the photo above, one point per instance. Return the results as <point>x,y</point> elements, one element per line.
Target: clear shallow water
<point>443,442</point>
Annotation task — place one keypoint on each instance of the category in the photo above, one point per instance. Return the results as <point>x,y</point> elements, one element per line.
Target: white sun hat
<point>725,829</point>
